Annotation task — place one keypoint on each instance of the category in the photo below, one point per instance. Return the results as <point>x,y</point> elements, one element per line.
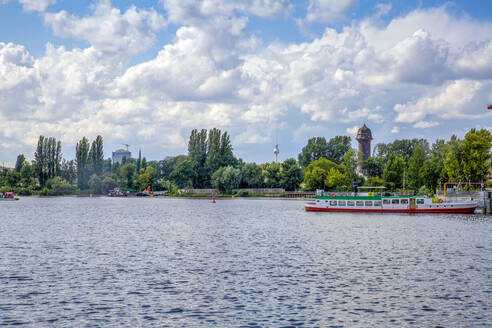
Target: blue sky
<point>147,72</point>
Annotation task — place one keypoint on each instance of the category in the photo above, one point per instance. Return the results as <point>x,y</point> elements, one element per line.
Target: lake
<point>116,262</point>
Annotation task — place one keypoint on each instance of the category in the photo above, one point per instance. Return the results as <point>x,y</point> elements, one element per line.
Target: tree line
<point>210,163</point>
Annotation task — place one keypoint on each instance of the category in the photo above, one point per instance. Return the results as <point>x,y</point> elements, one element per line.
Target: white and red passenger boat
<point>368,202</point>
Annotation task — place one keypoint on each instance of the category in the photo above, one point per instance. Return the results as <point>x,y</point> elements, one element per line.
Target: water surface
<point>118,262</point>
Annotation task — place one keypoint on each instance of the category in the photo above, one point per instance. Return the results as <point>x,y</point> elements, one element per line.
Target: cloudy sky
<point>148,72</point>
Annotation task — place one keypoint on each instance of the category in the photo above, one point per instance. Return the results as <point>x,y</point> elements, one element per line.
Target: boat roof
<point>376,197</point>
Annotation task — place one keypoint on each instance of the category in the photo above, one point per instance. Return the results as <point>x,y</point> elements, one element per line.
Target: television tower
<point>275,150</point>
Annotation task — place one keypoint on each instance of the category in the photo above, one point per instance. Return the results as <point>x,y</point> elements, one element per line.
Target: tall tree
<point>316,148</point>
<point>393,172</point>
<point>453,163</point>
<point>337,147</point>
<point>19,162</point>
<point>82,162</point>
<point>476,159</point>
<point>197,153</point>
<point>416,174</point>
<point>68,171</point>
<point>97,156</point>
<point>213,154</point>
<point>47,159</point>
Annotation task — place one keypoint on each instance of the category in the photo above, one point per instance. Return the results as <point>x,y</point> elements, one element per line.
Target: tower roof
<point>364,133</point>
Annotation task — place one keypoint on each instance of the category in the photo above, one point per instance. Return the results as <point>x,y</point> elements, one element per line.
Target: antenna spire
<point>276,151</point>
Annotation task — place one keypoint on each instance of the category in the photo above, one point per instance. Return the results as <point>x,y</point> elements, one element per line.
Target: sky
<point>146,73</point>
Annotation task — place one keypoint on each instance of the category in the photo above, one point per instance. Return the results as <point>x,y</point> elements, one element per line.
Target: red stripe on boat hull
<point>463,210</point>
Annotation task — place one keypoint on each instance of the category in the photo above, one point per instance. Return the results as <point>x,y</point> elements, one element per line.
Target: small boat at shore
<point>368,202</point>
<point>8,196</point>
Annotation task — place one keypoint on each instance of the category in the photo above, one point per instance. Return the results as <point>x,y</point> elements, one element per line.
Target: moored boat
<point>368,202</point>
<point>8,196</point>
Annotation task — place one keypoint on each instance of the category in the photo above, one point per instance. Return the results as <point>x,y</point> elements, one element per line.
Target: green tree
<point>82,163</point>
<point>108,166</point>
<point>19,162</point>
<point>317,172</point>
<point>58,186</point>
<point>393,171</point>
<point>373,166</point>
<point>271,173</point>
<point>349,165</point>
<point>47,159</point>
<point>197,152</point>
<point>477,155</point>
<point>453,163</point>
<point>219,152</point>
<point>316,148</point>
<point>26,174</point>
<point>126,175</point>
<point>108,183</point>
<point>96,156</point>
<point>145,178</point>
<point>433,170</point>
<point>334,179</point>
<point>68,171</point>
<point>184,174</point>
<point>252,176</point>
<point>139,161</point>
<point>226,179</point>
<point>337,147</point>
<point>374,182</point>
<point>416,173</point>
<point>95,184</point>
<point>291,175</point>
<point>315,178</point>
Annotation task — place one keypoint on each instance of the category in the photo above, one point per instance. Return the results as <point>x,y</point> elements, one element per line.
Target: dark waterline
<point>85,262</point>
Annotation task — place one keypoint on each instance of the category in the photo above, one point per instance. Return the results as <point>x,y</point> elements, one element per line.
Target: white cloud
<point>353,130</point>
<point>327,10</point>
<point>108,29</point>
<point>382,9</point>
<point>33,5</point>
<point>450,102</point>
<point>215,73</point>
<point>361,114</point>
<point>425,124</point>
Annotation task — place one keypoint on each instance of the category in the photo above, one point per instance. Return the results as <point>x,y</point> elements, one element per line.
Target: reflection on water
<point>173,262</point>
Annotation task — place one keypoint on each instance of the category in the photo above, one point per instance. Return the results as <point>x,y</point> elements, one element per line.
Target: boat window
<point>350,203</point>
<point>333,203</point>
<point>341,203</point>
<point>420,201</point>
<point>395,201</point>
<point>404,201</point>
<point>368,203</point>
<point>377,203</point>
<point>386,201</point>
<point>359,203</point>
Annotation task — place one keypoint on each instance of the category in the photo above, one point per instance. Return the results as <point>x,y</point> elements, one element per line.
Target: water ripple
<point>238,263</point>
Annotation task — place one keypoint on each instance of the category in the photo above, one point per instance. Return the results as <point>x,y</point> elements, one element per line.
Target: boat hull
<point>461,210</point>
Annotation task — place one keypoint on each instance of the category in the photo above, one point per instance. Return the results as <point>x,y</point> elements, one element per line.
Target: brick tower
<point>364,137</point>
